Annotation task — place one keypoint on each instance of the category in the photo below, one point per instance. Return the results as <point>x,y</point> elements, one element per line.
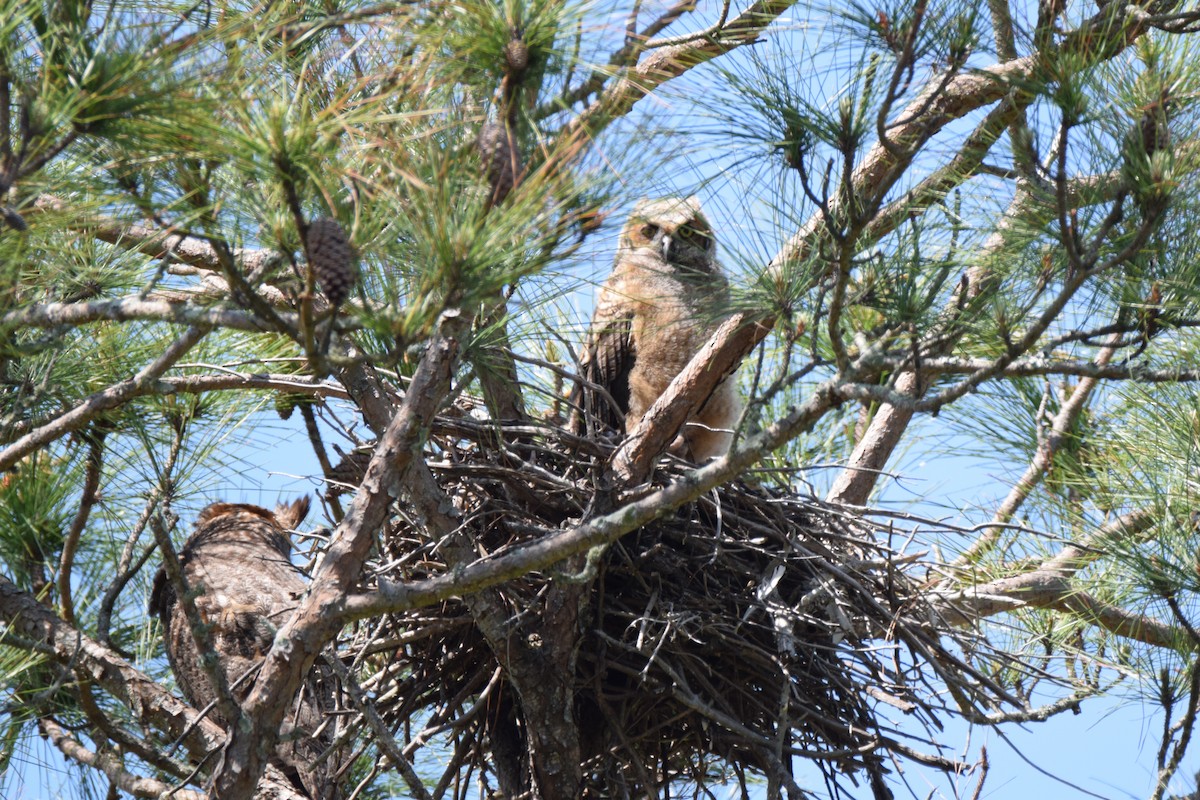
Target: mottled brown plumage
<point>663,300</point>
<point>238,567</point>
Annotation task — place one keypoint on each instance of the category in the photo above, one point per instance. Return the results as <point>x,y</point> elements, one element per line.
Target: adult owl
<point>659,306</point>
<point>237,564</point>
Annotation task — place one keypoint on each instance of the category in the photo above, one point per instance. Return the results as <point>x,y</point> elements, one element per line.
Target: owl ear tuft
<point>214,510</point>
<point>290,516</point>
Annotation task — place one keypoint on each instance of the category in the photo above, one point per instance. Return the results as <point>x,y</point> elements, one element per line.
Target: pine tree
<point>953,231</point>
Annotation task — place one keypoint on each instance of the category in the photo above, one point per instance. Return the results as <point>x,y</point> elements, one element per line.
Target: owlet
<point>664,298</point>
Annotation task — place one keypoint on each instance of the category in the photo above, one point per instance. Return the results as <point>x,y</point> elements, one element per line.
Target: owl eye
<point>648,231</point>
<point>695,237</point>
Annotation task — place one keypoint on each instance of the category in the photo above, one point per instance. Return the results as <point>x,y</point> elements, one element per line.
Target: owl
<point>238,566</point>
<point>659,306</point>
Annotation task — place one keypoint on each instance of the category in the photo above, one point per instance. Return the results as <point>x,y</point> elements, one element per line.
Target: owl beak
<point>666,247</point>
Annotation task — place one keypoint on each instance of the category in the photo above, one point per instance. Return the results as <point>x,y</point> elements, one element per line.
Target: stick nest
<point>718,642</point>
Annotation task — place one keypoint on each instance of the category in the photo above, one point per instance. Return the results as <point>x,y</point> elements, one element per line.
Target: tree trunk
<point>538,658</point>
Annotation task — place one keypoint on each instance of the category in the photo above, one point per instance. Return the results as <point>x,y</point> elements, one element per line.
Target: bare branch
<point>1186,727</point>
<point>1049,585</point>
<point>871,453</point>
<point>1041,589</point>
<point>126,309</point>
<point>233,381</point>
<point>658,427</point>
<point>317,620</point>
<point>111,766</point>
<point>1002,30</point>
<point>1041,364</point>
<point>715,30</point>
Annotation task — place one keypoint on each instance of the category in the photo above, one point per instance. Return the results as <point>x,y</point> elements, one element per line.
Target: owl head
<point>232,521</point>
<point>222,527</point>
<point>674,229</point>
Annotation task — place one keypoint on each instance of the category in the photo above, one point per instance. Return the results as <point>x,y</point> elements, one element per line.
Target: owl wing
<point>607,362</point>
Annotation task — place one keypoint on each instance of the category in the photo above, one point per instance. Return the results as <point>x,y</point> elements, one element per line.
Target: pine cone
<point>13,219</point>
<point>516,57</point>
<point>332,258</point>
<point>497,149</point>
<point>286,402</point>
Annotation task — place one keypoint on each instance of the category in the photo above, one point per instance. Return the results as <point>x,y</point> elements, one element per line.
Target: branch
<point>1002,28</point>
<point>167,244</point>
<point>126,566</point>
<point>1041,364</point>
<point>150,703</point>
<point>156,242</point>
<point>1040,589</point>
<point>1050,586</point>
<point>1041,462</point>
<point>935,187</point>
<point>126,309</point>
<point>876,175</point>
<point>635,43</point>
<point>318,619</point>
<point>88,498</point>
<point>111,766</point>
<point>944,102</point>
<point>688,391</point>
<point>854,484</point>
<point>383,736</point>
<point>110,398</point>
<point>234,381</point>
<point>660,66</point>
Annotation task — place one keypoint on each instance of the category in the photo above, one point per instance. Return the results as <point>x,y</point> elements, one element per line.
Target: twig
<point>1040,464</point>
<point>1187,726</point>
<point>88,498</point>
<point>383,738</point>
